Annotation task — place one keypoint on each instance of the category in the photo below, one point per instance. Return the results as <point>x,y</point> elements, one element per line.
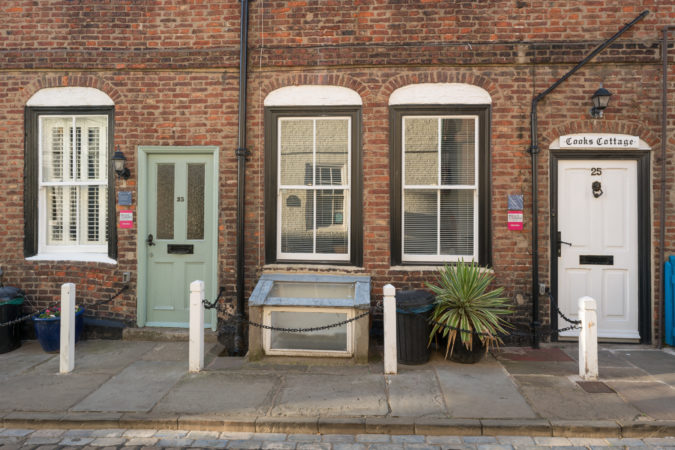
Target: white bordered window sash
<point>439,188</point>
<point>313,188</point>
<point>73,183</point>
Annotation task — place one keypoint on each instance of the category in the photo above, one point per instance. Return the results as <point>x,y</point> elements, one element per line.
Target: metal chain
<point>511,333</point>
<point>239,319</point>
<point>565,318</point>
<point>54,305</point>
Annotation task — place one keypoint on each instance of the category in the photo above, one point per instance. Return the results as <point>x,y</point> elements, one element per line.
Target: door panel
<point>180,186</point>
<point>601,226</point>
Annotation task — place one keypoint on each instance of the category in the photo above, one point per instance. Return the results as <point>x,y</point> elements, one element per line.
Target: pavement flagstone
<point>141,391</point>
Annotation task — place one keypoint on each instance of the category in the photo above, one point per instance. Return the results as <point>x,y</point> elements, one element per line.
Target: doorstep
<point>164,334</point>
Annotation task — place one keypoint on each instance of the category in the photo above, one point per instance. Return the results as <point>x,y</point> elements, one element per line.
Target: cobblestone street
<point>118,438</point>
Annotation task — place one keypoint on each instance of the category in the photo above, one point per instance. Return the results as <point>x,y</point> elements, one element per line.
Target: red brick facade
<point>171,67</point>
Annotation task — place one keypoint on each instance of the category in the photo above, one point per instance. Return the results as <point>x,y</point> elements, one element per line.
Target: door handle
<point>560,241</point>
<point>149,240</point>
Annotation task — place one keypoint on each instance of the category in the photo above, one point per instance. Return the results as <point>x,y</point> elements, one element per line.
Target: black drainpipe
<point>664,138</point>
<point>241,153</point>
<point>534,150</point>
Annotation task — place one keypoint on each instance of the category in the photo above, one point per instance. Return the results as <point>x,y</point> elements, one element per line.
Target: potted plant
<point>467,309</point>
<point>48,327</point>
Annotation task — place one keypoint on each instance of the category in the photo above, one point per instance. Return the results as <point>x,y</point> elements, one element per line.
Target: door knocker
<point>597,189</point>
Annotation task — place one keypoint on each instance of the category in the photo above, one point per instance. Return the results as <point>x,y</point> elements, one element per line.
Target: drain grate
<point>595,387</point>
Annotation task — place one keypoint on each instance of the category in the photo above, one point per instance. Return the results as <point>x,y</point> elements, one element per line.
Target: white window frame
<point>439,187</point>
<point>314,188</point>
<point>95,251</point>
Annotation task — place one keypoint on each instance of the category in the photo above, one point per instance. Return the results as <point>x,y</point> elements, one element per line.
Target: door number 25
<point>595,171</point>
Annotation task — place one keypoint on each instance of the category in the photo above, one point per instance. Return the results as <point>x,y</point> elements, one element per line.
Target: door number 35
<point>596,171</point>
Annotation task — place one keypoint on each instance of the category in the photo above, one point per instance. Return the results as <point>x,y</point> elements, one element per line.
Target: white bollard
<point>67,337</point>
<point>389,306</point>
<point>588,339</point>
<point>196,348</point>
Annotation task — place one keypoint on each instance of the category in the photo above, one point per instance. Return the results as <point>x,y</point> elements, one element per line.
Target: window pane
<point>296,138</point>
<point>334,338</point>
<point>92,153</point>
<point>457,208</point>
<point>458,147</point>
<point>331,221</point>
<point>297,221</point>
<point>195,206</point>
<point>165,186</point>
<point>420,152</point>
<point>96,206</point>
<point>420,224</point>
<point>76,136</point>
<point>73,213</point>
<point>56,149</point>
<point>332,151</point>
<point>55,215</point>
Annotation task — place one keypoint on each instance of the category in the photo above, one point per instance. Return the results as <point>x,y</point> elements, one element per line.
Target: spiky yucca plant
<point>463,302</point>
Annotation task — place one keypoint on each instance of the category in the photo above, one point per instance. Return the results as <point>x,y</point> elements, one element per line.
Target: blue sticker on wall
<point>124,198</point>
<point>515,202</point>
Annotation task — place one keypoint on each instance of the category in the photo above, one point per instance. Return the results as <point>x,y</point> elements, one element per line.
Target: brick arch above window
<point>440,94</point>
<point>69,96</point>
<point>80,80</point>
<point>313,95</point>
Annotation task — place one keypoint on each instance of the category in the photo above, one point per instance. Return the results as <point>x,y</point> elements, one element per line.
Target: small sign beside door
<point>515,220</point>
<point>126,219</point>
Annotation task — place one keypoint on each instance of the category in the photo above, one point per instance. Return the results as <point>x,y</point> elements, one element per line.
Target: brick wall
<point>172,67</point>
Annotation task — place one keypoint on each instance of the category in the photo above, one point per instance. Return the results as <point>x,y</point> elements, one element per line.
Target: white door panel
<point>601,260</point>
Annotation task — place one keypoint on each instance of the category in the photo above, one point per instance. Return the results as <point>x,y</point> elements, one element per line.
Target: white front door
<point>598,252</point>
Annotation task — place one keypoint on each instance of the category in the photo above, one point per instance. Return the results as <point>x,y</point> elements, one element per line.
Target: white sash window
<point>73,183</point>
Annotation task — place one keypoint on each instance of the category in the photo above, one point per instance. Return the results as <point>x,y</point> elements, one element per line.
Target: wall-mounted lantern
<point>118,160</point>
<point>600,101</point>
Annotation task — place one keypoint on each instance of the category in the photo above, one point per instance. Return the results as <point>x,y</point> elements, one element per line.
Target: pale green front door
<point>180,237</point>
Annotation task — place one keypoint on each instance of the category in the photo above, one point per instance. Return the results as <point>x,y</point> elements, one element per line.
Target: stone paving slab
<point>561,398</point>
<point>137,388</point>
<point>415,394</point>
<point>29,355</point>
<point>55,392</point>
<point>167,351</point>
<point>331,395</point>
<point>652,398</point>
<point>482,390</point>
<point>220,392</point>
<point>98,356</point>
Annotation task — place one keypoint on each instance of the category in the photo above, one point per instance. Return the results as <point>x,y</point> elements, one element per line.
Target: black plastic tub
<point>10,335</point>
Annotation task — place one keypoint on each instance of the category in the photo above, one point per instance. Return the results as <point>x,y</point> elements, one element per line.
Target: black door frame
<point>642,157</point>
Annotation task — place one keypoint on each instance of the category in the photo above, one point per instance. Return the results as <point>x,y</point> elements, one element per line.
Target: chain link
<point>54,305</point>
<point>511,333</point>
<point>239,319</point>
<point>379,307</point>
<point>563,316</point>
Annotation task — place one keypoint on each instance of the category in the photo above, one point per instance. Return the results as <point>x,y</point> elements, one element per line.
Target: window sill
<point>428,268</point>
<point>300,267</point>
<point>87,257</point>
